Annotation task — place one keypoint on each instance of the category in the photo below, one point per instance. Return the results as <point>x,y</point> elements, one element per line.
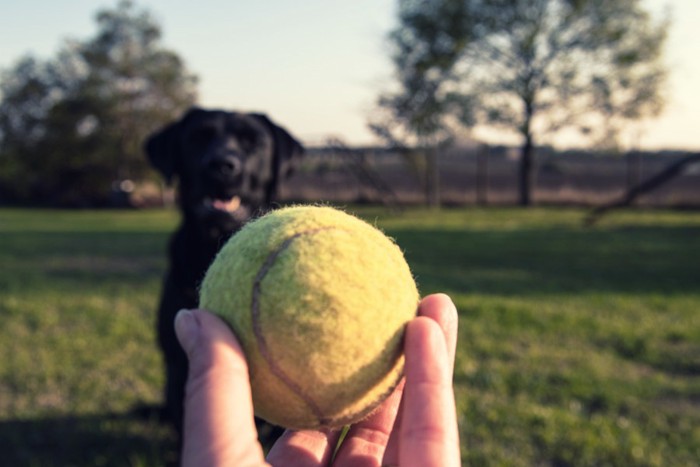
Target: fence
<point>483,175</point>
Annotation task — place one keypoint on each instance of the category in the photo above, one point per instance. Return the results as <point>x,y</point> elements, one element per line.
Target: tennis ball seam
<point>257,326</point>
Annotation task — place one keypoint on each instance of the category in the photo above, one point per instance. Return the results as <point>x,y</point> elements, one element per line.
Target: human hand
<point>415,426</point>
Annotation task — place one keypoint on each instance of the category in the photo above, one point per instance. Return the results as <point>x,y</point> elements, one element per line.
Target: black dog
<point>229,166</point>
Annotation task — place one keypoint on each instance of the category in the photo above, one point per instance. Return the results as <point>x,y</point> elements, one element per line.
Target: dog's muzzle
<point>224,167</point>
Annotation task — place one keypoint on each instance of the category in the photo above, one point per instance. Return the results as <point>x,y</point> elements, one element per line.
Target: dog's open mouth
<point>226,205</point>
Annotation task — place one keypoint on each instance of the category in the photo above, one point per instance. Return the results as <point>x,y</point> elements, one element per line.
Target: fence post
<point>482,174</point>
<point>633,169</point>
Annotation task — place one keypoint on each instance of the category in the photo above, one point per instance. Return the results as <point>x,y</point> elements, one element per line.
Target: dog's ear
<point>287,154</point>
<point>163,146</point>
<point>160,149</point>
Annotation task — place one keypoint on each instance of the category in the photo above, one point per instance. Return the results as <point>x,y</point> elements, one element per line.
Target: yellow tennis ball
<point>319,300</point>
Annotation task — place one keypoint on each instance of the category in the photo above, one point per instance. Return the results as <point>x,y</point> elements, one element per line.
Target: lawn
<point>578,346</point>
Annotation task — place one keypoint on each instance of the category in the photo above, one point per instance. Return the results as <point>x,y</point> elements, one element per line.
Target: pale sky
<point>315,66</point>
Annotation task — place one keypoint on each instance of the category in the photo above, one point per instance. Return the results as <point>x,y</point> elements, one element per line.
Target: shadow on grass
<point>527,262</point>
<point>91,440</point>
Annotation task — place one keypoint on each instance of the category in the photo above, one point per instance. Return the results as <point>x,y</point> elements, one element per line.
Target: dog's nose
<point>227,166</point>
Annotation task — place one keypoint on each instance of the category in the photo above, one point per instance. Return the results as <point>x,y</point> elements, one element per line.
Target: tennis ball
<point>319,300</point>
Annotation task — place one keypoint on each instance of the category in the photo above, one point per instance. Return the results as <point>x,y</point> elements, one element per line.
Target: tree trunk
<point>525,174</point>
<point>432,178</point>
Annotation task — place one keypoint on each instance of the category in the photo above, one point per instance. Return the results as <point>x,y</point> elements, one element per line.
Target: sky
<point>317,66</point>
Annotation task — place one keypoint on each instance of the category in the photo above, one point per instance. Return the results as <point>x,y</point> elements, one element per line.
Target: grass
<point>577,346</point>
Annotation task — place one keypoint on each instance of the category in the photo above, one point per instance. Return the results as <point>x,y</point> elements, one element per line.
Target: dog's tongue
<point>227,205</point>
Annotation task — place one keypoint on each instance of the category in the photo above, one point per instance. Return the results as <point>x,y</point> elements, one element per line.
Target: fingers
<point>305,448</point>
<point>430,347</point>
<point>429,434</point>
<point>218,427</point>
<point>366,441</point>
<point>439,308</point>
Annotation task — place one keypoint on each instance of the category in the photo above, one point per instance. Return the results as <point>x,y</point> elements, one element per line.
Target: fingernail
<point>186,329</point>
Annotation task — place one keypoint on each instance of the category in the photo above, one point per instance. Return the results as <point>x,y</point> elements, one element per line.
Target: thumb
<point>218,427</point>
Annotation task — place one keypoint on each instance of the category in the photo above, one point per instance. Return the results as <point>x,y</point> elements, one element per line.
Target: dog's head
<point>226,162</point>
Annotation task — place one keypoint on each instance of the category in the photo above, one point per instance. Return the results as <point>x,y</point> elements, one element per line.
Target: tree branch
<point>647,185</point>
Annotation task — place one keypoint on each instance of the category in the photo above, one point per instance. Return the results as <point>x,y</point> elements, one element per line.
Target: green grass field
<point>577,346</point>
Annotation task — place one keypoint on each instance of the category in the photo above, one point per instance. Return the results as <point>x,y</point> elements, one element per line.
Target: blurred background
<point>539,161</point>
<point>84,83</point>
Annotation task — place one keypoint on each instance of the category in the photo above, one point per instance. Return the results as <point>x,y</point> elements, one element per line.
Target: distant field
<point>578,347</point>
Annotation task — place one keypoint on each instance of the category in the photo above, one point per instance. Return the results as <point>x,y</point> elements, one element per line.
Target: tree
<point>73,125</point>
<point>416,115</point>
<point>534,67</point>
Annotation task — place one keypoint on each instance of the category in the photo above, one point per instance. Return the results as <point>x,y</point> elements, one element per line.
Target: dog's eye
<point>248,139</point>
<point>203,134</point>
